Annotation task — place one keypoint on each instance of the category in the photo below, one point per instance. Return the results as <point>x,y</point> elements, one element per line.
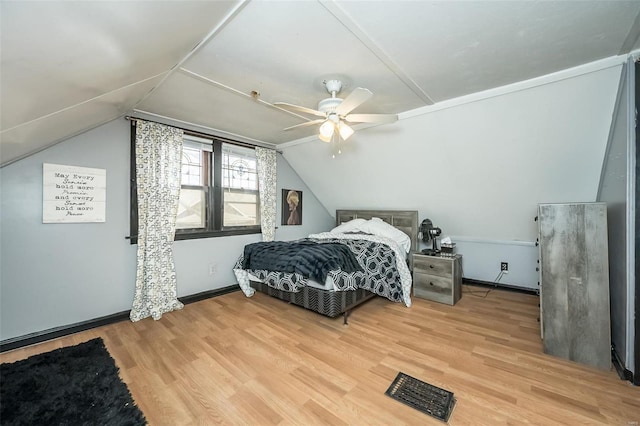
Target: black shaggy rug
<point>77,385</point>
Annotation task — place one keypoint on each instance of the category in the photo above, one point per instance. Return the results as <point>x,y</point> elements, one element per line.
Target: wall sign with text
<point>73,194</point>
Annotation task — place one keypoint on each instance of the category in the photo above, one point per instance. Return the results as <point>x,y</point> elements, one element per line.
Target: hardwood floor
<point>261,361</point>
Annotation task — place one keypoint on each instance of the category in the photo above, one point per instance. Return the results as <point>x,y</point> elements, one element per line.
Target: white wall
<point>481,259</point>
<point>478,169</point>
<point>54,275</point>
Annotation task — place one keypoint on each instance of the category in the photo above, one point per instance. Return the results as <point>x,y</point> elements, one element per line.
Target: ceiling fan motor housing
<point>333,87</point>
<point>329,105</point>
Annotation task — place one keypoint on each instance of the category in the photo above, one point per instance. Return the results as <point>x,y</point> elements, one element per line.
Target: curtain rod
<point>202,135</point>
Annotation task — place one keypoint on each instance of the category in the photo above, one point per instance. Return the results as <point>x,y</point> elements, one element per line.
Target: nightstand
<point>437,278</point>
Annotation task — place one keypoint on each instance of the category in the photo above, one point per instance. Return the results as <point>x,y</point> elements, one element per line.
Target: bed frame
<point>334,303</point>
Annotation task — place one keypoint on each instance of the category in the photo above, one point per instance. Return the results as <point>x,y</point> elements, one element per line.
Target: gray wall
<point>477,168</point>
<point>54,275</point>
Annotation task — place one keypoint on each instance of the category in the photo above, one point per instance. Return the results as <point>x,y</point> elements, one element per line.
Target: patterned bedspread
<point>310,258</point>
<point>382,263</point>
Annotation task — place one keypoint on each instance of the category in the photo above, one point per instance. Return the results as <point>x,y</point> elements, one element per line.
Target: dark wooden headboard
<point>404,220</point>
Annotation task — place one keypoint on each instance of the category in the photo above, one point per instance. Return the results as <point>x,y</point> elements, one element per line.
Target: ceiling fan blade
<point>291,107</point>
<point>371,118</point>
<point>355,98</point>
<point>308,123</point>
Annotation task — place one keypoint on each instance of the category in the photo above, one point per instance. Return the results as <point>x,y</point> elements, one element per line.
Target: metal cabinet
<point>574,282</point>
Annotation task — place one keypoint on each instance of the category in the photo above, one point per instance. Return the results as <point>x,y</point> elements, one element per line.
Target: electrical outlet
<point>212,269</point>
<point>504,267</point>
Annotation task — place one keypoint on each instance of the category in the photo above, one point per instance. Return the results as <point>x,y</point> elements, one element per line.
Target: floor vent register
<point>422,396</point>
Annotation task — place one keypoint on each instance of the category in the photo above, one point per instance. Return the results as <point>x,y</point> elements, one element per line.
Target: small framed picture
<point>291,207</point>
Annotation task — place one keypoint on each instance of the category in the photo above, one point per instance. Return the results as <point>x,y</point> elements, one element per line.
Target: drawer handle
<point>431,266</point>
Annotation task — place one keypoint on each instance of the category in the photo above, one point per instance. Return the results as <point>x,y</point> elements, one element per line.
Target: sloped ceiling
<point>67,67</point>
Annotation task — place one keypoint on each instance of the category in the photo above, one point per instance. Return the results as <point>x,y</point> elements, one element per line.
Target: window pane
<point>192,166</point>
<point>241,208</point>
<point>191,209</point>
<point>239,168</point>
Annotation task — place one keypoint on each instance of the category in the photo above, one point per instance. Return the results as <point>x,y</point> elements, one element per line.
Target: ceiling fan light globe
<point>327,129</point>
<point>345,130</point>
<point>324,138</point>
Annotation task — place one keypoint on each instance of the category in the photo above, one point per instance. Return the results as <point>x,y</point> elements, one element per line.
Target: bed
<point>342,291</point>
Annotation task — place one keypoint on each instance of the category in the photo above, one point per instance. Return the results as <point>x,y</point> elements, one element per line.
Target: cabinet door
<point>574,281</point>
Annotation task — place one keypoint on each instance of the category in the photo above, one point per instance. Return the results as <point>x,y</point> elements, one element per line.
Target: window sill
<point>193,235</point>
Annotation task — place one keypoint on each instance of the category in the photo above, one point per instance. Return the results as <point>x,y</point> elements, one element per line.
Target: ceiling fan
<point>335,112</point>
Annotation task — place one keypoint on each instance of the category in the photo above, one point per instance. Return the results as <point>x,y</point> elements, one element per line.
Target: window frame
<point>213,195</point>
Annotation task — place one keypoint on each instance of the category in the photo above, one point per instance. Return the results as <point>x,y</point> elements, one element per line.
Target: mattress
<point>328,285</point>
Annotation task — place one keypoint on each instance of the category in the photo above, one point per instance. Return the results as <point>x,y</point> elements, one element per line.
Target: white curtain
<point>267,186</point>
<point>158,163</point>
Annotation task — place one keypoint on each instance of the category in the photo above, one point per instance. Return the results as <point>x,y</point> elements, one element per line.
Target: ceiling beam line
<point>70,107</point>
<point>591,67</point>
<point>346,20</point>
<point>632,37</point>
<point>225,21</point>
<point>238,92</point>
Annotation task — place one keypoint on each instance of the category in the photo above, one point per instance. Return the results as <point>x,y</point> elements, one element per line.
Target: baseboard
<point>501,286</point>
<point>54,333</point>
<point>623,373</point>
<point>208,294</point>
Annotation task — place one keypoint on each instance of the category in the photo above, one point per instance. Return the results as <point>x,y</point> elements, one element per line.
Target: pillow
<point>352,225</point>
<point>377,226</point>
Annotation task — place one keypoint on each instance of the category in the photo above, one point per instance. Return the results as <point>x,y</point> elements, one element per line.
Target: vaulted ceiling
<point>67,66</point>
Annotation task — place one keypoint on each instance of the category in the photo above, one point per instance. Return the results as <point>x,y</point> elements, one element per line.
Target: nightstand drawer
<point>433,287</point>
<point>433,266</point>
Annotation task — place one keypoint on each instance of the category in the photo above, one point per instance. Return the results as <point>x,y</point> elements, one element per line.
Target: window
<point>195,183</point>
<point>240,186</point>
<point>219,189</point>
